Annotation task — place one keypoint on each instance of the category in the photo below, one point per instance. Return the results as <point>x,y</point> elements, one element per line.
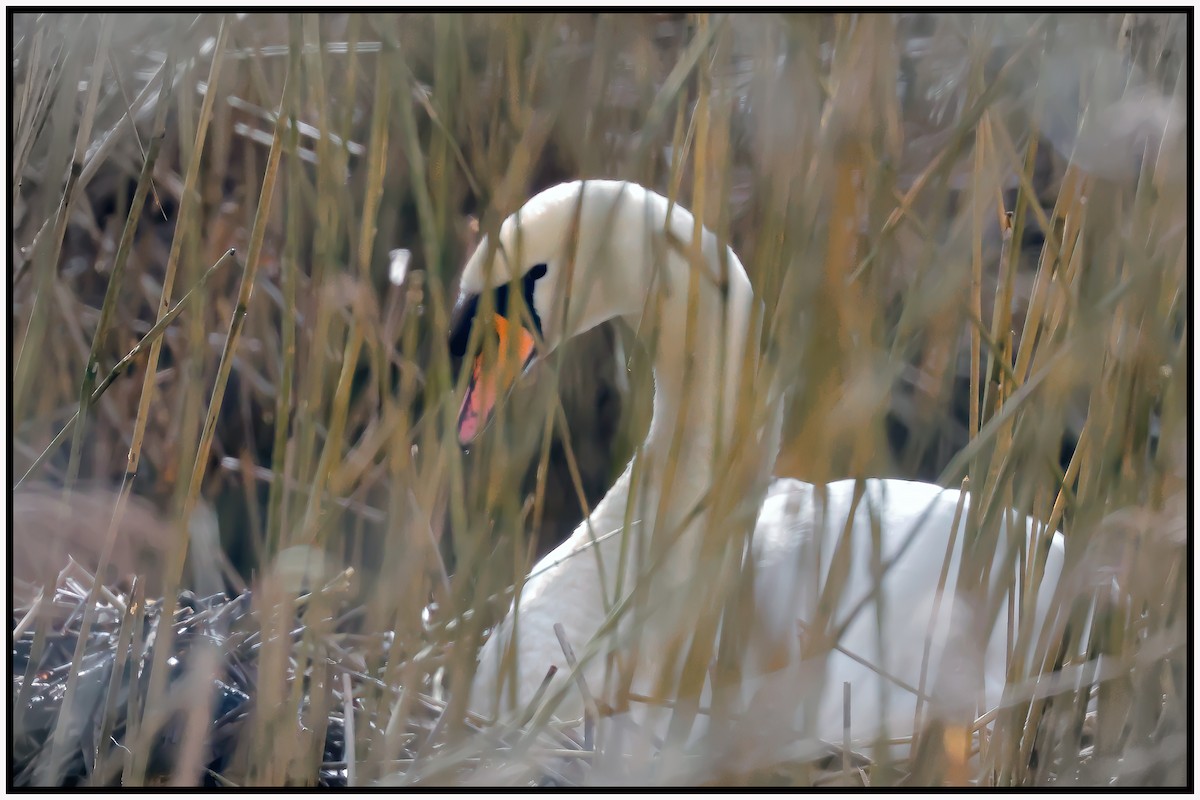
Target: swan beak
<point>486,385</point>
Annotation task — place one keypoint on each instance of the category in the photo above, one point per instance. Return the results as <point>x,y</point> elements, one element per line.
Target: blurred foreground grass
<point>970,231</point>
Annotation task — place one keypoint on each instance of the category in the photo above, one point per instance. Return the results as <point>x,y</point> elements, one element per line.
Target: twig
<point>846,731</point>
<point>589,703</point>
<point>27,620</point>
<point>423,751</point>
<point>348,727</point>
<point>537,696</point>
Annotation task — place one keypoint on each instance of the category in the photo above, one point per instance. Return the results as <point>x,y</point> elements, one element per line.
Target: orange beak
<point>485,386</point>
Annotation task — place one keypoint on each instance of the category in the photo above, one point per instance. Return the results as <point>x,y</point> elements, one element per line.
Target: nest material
<point>113,678</point>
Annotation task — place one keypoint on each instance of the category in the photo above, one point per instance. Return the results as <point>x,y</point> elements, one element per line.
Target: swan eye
<point>500,295</point>
<point>528,284</point>
<point>463,315</point>
<point>461,320</point>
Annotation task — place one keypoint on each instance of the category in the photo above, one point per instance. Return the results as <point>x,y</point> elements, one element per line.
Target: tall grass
<point>970,234</point>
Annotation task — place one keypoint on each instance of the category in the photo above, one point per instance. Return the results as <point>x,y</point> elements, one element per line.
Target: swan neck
<point>698,356</point>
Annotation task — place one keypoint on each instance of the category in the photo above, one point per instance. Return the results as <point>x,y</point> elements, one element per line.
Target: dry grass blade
<point>232,339</point>
<point>108,309</point>
<point>151,338</point>
<point>186,209</point>
<point>31,345</point>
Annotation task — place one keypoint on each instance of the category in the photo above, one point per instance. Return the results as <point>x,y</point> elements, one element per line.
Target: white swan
<point>583,253</point>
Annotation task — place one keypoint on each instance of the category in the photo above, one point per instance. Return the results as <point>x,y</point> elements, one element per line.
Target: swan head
<point>568,260</point>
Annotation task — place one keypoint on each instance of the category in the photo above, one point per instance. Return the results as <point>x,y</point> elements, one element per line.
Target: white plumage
<point>623,256</point>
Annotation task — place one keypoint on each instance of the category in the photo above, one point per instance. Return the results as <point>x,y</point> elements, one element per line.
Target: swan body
<point>605,240</point>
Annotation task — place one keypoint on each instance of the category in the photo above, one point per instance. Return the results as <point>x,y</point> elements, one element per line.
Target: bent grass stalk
<point>151,338</point>
<point>144,185</point>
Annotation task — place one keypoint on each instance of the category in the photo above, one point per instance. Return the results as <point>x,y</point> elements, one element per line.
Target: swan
<point>585,252</point>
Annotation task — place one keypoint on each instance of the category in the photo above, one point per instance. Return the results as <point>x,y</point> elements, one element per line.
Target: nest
<point>95,744</point>
<point>113,675</point>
